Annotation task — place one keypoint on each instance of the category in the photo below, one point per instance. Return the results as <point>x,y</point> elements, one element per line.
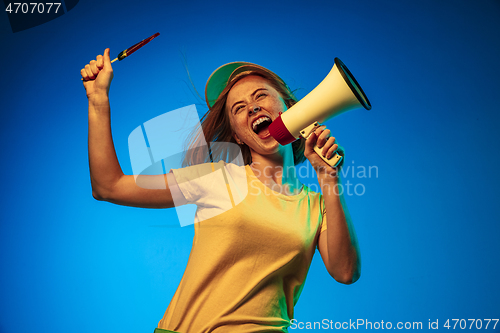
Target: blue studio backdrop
<point>426,215</point>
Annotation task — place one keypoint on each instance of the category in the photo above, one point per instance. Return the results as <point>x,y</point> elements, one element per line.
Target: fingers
<point>90,71</point>
<point>323,136</point>
<point>329,148</point>
<point>331,151</point>
<point>93,67</point>
<point>100,61</point>
<point>310,142</point>
<point>84,75</point>
<point>326,142</point>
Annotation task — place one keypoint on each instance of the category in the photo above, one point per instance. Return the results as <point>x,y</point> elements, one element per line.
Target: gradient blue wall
<point>428,222</point>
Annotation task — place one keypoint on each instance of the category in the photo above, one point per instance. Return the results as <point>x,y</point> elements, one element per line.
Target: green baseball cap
<point>219,79</point>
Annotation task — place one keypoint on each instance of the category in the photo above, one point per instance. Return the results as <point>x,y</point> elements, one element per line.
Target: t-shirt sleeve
<point>175,191</point>
<point>194,182</point>
<point>323,226</point>
<point>323,215</point>
<point>206,185</point>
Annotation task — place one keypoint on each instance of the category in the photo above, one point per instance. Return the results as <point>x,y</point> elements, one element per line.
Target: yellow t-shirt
<point>248,264</point>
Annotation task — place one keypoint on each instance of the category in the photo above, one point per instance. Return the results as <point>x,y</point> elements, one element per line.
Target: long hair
<point>215,127</point>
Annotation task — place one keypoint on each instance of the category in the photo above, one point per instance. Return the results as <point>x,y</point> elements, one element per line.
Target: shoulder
<point>204,172</point>
<point>315,198</point>
<point>312,194</point>
<point>191,172</point>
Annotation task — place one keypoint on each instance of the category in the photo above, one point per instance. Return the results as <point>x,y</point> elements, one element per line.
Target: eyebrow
<point>256,90</point>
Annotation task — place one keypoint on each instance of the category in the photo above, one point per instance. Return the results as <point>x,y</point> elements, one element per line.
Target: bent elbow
<point>97,196</point>
<point>348,277</point>
<point>344,279</point>
<point>99,193</point>
<point>353,278</point>
<point>356,277</point>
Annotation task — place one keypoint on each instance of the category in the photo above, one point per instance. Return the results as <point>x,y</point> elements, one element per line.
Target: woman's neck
<point>277,171</point>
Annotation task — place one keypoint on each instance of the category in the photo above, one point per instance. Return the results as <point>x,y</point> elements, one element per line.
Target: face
<point>251,127</point>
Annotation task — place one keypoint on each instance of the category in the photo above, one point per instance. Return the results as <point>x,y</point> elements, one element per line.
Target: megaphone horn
<point>337,93</point>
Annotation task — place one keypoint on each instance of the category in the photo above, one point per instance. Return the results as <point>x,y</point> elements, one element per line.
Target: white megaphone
<point>337,93</point>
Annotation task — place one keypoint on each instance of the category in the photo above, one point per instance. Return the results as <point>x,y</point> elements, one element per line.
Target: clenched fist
<point>97,76</point>
<point>321,137</point>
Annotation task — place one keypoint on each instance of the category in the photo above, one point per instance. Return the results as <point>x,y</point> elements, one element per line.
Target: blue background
<point>428,225</point>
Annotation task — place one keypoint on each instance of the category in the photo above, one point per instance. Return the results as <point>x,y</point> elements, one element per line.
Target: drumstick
<point>125,53</point>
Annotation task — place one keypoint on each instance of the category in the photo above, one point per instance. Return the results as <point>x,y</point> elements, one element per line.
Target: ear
<point>237,139</point>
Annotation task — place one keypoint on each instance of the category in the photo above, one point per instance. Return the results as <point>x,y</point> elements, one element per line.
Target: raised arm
<point>106,176</point>
<point>338,245</point>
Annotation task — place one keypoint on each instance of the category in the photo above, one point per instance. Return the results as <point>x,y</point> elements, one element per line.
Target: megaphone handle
<point>332,161</point>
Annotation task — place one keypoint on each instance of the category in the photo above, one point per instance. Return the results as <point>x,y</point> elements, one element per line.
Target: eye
<point>238,108</point>
<point>261,95</point>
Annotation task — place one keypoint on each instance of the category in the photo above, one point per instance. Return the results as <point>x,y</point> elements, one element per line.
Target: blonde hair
<point>216,127</point>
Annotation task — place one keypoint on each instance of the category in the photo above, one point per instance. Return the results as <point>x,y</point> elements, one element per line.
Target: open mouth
<point>260,126</point>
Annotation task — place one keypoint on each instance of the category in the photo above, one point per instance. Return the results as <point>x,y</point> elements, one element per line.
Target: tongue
<point>263,132</point>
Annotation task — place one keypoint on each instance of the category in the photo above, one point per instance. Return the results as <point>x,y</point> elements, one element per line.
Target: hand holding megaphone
<point>337,93</point>
<point>333,160</point>
<point>321,146</point>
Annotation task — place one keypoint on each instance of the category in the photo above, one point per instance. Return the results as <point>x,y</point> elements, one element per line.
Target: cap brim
<point>220,77</point>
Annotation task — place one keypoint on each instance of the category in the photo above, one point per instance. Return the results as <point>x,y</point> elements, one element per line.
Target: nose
<point>254,109</point>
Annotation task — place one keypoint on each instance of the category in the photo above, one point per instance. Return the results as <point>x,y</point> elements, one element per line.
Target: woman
<point>248,263</point>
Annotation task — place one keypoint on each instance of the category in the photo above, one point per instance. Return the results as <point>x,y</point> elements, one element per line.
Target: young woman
<point>249,262</point>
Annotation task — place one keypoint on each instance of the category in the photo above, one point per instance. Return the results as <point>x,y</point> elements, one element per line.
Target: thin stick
<point>133,48</point>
